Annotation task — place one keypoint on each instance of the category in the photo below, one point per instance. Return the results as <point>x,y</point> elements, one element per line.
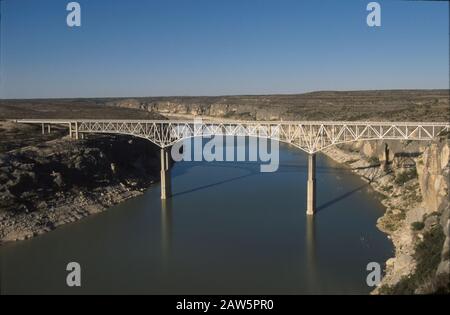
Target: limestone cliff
<point>433,172</point>
<point>414,179</point>
<point>399,105</point>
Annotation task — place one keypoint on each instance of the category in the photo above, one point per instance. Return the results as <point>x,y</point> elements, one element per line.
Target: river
<point>228,229</point>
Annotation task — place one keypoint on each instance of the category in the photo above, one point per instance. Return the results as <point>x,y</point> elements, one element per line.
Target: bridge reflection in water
<point>166,234</point>
<point>311,263</point>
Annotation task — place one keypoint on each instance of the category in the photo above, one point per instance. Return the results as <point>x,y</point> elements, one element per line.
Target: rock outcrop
<point>62,180</point>
<point>433,171</point>
<point>414,179</point>
<point>400,105</point>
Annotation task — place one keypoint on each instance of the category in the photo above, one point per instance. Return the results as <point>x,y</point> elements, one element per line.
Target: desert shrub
<point>417,226</point>
<point>405,176</point>
<point>428,252</point>
<point>428,257</point>
<point>404,286</point>
<point>374,160</point>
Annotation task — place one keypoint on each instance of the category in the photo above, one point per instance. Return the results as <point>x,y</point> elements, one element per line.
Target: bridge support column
<point>311,185</point>
<point>76,130</point>
<point>165,174</point>
<point>385,162</point>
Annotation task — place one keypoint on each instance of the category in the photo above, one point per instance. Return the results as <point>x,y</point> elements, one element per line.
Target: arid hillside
<point>68,108</point>
<point>405,105</point>
<point>392,105</point>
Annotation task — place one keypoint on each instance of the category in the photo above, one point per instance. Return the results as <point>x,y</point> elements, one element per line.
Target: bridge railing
<point>310,136</point>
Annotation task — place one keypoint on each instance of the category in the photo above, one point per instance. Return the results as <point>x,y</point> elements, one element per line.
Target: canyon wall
<point>413,180</point>
<point>399,105</point>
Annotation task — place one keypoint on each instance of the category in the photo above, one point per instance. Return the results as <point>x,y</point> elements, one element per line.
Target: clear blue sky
<point>218,47</point>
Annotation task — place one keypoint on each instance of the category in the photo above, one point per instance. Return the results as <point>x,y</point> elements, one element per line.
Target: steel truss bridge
<point>309,136</point>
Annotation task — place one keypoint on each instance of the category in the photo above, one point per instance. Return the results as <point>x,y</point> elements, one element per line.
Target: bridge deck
<point>310,136</point>
<point>247,122</point>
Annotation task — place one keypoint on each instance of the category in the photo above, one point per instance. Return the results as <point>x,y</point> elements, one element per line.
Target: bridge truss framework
<point>309,136</point>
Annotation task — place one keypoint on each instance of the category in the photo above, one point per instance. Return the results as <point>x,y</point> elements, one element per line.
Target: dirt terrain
<point>401,105</point>
<point>68,108</point>
<point>393,105</point>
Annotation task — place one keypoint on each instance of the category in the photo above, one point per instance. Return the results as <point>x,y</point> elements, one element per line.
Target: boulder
<point>58,179</point>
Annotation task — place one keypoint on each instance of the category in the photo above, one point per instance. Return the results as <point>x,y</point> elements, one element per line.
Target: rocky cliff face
<point>62,180</point>
<point>433,171</point>
<point>400,105</point>
<point>414,179</point>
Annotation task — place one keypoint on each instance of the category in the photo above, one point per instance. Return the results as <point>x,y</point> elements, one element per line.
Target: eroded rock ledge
<point>63,180</point>
<point>413,183</point>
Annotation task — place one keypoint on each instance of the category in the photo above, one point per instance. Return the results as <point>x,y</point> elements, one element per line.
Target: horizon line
<point>224,95</point>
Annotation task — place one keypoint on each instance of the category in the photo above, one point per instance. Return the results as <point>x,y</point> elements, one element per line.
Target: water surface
<point>228,229</point>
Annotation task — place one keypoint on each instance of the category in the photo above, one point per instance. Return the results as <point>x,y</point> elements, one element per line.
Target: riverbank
<point>417,210</point>
<point>63,209</point>
<point>46,185</point>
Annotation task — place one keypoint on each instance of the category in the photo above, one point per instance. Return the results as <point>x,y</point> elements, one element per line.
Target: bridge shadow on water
<point>253,169</point>
<point>212,184</point>
<point>341,197</point>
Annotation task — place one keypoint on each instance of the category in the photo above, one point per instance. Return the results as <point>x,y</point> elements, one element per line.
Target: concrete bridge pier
<point>73,130</point>
<point>76,130</point>
<point>385,162</point>
<point>165,174</point>
<point>311,185</point>
<point>48,128</point>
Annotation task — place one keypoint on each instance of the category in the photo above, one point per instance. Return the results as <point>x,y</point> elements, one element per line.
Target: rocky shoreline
<point>63,180</point>
<point>416,202</point>
<point>64,209</point>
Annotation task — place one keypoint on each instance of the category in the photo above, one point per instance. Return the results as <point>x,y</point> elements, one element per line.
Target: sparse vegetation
<point>405,176</point>
<point>374,160</point>
<point>412,194</point>
<point>427,256</point>
<point>393,220</point>
<point>387,188</point>
<point>393,105</point>
<point>417,226</point>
